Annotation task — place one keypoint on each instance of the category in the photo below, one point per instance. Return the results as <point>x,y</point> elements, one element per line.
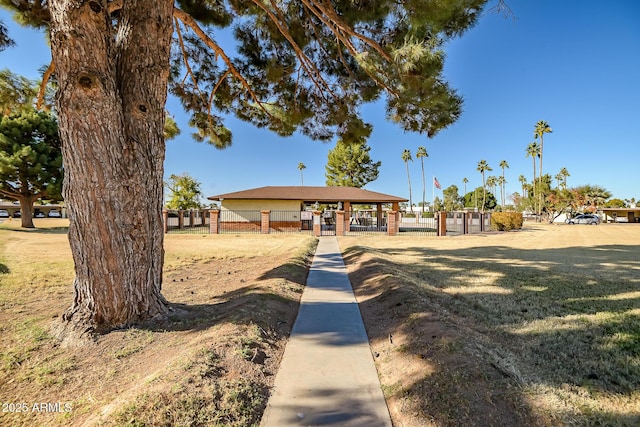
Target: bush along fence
<point>331,222</point>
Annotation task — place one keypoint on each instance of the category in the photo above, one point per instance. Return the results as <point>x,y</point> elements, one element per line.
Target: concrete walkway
<point>327,376</point>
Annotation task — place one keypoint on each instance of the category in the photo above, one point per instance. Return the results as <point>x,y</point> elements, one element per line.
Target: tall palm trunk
<point>540,175</point>
<point>534,185</point>
<point>409,179</point>
<point>111,110</point>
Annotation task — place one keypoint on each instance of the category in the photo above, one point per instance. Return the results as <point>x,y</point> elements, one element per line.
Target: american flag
<point>436,183</point>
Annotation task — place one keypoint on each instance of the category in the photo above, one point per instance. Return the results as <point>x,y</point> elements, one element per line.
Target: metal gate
<point>328,223</point>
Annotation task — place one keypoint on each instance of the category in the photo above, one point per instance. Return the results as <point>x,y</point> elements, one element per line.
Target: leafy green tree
<point>472,199</point>
<point>350,165</point>
<point>483,167</point>
<point>421,154</point>
<point>559,201</point>
<point>615,203</point>
<point>451,198</point>
<point>305,66</point>
<point>184,192</point>
<point>406,158</point>
<point>301,167</point>
<point>438,206</point>
<point>30,159</point>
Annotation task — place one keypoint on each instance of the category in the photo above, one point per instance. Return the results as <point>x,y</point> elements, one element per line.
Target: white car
<point>4,213</point>
<point>54,214</point>
<point>585,219</point>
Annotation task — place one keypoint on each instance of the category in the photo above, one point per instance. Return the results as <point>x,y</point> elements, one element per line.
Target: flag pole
<point>433,193</point>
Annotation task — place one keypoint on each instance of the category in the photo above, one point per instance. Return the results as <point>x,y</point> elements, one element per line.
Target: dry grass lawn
<point>211,363</point>
<point>535,327</point>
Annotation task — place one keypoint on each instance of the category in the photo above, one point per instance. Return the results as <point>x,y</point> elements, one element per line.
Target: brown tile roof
<point>312,194</point>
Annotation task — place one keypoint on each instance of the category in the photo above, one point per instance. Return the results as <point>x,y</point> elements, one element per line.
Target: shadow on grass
<point>49,230</point>
<point>566,318</point>
<point>269,307</point>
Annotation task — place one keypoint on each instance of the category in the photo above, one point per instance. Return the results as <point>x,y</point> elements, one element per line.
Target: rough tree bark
<point>26,210</point>
<point>111,100</point>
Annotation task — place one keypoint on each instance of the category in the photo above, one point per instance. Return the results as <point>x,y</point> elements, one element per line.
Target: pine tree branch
<point>331,19</point>
<point>185,57</point>
<point>325,8</point>
<point>187,20</point>
<point>43,86</point>
<point>312,71</point>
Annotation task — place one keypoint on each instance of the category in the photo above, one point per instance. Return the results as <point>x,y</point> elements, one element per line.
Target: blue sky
<point>572,63</point>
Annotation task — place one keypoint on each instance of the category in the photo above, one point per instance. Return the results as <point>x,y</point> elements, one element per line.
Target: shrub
<point>505,221</point>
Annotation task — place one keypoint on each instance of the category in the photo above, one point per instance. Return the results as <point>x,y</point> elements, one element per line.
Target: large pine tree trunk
<point>113,88</point>
<point>26,211</point>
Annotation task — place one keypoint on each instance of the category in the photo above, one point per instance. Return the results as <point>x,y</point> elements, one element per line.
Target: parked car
<point>17,214</point>
<point>38,214</point>
<point>4,213</point>
<point>54,214</point>
<point>585,219</point>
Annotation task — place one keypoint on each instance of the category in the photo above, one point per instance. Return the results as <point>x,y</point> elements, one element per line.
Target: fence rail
<point>357,223</point>
<point>187,221</point>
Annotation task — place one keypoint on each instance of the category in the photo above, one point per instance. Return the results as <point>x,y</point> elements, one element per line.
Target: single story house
<point>294,203</point>
<point>622,214</point>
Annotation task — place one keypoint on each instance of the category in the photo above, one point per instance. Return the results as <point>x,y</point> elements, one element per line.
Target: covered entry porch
<point>325,210</point>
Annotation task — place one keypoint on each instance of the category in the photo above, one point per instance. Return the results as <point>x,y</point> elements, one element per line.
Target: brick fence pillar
<point>165,218</point>
<point>264,222</point>
<point>317,224</point>
<point>214,218</point>
<point>340,223</point>
<point>393,223</point>
<point>442,223</point>
<point>180,219</point>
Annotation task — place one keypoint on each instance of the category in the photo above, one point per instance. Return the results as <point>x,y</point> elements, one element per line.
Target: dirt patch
<point>212,362</point>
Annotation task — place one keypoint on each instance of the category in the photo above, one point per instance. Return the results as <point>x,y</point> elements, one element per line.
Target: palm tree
<point>406,157</point>
<point>464,182</point>
<point>420,154</point>
<point>541,128</point>
<point>503,181</point>
<point>492,183</point>
<point>558,178</point>
<point>523,182</point>
<point>483,166</point>
<point>565,173</point>
<point>533,151</point>
<point>301,166</point>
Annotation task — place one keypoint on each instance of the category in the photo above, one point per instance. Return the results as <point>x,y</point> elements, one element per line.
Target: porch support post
<point>317,224</point>
<point>340,223</point>
<point>379,216</point>
<point>347,216</point>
